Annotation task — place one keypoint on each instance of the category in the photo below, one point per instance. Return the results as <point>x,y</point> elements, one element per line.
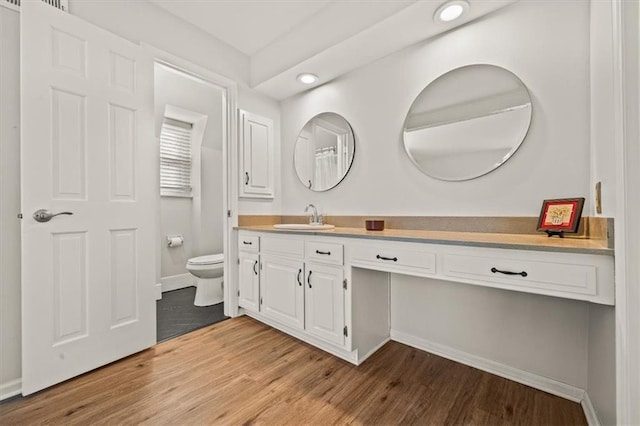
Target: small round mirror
<point>324,151</point>
<point>467,122</point>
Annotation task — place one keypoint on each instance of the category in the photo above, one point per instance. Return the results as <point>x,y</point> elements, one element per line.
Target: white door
<point>249,282</point>
<point>256,139</point>
<point>88,149</point>
<point>324,303</point>
<point>282,291</point>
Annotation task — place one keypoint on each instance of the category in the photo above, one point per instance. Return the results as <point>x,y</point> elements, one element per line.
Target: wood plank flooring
<point>242,372</point>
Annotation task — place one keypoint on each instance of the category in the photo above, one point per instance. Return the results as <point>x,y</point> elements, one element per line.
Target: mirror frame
<point>495,165</point>
<point>353,156</point>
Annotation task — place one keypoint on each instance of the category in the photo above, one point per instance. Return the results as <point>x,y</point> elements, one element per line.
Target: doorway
<point>195,106</point>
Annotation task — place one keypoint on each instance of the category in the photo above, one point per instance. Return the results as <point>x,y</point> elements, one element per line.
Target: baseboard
<point>542,383</point>
<point>9,389</point>
<point>590,411</point>
<point>177,282</point>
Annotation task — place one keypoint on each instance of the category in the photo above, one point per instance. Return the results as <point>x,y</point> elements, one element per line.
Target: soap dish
<point>374,225</point>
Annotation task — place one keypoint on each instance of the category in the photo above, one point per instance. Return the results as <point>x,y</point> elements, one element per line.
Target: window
<point>175,158</point>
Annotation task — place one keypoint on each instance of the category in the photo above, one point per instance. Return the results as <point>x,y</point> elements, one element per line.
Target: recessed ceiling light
<point>451,11</point>
<point>307,78</point>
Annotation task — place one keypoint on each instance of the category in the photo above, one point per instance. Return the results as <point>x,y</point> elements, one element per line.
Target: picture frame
<point>560,215</point>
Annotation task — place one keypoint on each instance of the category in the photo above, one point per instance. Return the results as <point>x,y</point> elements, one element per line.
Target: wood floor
<point>242,372</point>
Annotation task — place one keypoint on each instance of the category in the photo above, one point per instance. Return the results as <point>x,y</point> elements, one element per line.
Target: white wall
<point>546,44</point>
<point>199,219</point>
<point>539,334</point>
<point>601,377</point>
<point>10,339</point>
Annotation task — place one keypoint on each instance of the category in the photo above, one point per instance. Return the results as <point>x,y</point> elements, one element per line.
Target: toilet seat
<point>210,259</point>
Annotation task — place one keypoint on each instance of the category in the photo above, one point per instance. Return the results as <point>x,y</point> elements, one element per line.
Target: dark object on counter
<point>374,225</point>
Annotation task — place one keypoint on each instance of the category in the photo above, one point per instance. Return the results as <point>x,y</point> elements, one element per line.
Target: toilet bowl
<point>209,273</point>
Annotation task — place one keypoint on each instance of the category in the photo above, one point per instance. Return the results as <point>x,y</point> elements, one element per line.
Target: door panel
<point>281,290</point>
<point>256,139</point>
<point>249,285</point>
<point>87,147</point>
<point>324,303</point>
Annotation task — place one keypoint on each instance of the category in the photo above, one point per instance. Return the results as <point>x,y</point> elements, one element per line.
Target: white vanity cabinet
<point>333,291</point>
<point>297,285</point>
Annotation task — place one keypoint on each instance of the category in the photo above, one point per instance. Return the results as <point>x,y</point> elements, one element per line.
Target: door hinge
<point>228,213</point>
<point>345,332</point>
<point>19,215</point>
<point>238,261</point>
<point>344,283</point>
<point>261,300</point>
<point>238,293</point>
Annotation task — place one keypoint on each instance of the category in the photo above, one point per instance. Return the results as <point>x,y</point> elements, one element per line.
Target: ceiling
<point>284,38</point>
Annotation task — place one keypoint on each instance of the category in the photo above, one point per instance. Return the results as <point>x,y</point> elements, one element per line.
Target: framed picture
<point>560,216</point>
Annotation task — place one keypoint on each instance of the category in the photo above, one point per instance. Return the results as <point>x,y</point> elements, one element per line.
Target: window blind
<point>175,158</point>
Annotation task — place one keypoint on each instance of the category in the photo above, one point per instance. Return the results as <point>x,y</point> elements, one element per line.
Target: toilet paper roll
<point>175,241</point>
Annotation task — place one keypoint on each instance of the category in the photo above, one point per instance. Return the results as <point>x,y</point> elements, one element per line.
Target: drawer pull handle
<point>299,282</point>
<point>328,253</point>
<point>254,268</point>
<point>247,243</point>
<point>395,259</point>
<point>246,178</point>
<point>309,279</point>
<point>523,273</point>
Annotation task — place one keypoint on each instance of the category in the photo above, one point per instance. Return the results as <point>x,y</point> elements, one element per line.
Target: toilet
<point>209,273</point>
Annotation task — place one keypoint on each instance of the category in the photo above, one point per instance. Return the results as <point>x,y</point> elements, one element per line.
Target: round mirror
<point>324,151</point>
<point>467,122</point>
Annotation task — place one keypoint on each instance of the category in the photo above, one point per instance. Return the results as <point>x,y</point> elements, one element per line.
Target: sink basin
<point>303,226</point>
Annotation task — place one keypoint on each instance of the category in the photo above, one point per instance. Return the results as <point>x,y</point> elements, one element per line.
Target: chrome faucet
<point>315,218</point>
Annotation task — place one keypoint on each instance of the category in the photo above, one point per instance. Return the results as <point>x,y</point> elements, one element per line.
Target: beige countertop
<point>477,239</point>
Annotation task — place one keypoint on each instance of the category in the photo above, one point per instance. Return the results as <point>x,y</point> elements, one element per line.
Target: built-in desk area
<point>331,288</point>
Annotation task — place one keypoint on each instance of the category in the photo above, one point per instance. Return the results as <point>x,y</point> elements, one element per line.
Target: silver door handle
<point>44,215</point>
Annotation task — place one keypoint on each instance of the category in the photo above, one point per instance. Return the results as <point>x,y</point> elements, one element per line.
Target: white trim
<point>158,291</point>
<point>589,411</point>
<point>9,389</point>
<point>536,381</point>
<point>230,153</point>
<point>626,43</point>
<point>176,282</point>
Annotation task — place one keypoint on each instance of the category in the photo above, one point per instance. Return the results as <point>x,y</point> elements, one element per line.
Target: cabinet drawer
<point>396,259</point>
<point>524,275</point>
<point>293,247</point>
<point>248,242</point>
<point>324,252</point>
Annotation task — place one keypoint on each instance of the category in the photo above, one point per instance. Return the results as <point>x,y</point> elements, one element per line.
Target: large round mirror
<point>324,151</point>
<point>467,122</point>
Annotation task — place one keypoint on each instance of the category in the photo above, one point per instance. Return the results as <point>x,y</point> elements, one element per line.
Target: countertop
<point>476,239</point>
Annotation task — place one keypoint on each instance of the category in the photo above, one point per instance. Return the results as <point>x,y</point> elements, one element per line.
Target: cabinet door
<point>256,158</point>
<point>282,291</point>
<point>249,285</point>
<point>324,302</point>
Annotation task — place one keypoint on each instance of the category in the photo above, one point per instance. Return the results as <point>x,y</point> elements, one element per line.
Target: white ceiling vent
<point>58,4</point>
